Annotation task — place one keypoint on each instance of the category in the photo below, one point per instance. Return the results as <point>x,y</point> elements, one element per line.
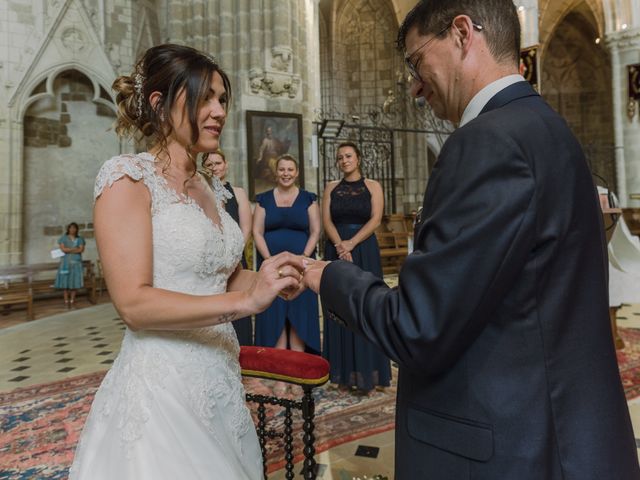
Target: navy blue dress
<point>242,326</point>
<point>355,362</point>
<point>287,229</point>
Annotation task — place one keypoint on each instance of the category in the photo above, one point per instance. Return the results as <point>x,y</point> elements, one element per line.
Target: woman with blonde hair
<point>287,218</point>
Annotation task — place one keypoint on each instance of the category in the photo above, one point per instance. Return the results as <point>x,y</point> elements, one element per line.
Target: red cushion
<point>288,365</point>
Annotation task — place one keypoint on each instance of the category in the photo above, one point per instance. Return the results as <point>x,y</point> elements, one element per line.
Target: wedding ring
<point>280,273</point>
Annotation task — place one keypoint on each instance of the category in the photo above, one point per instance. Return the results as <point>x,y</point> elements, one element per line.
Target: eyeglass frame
<point>413,68</point>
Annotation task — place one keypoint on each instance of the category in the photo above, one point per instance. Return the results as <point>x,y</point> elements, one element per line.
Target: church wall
<point>59,178</point>
<point>576,81</point>
<point>40,138</point>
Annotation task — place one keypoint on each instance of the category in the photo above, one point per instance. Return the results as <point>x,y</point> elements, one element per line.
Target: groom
<point>500,321</point>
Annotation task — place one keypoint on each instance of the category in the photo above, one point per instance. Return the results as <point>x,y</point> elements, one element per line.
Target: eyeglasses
<point>413,67</point>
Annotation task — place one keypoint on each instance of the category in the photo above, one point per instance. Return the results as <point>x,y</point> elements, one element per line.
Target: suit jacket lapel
<point>506,95</point>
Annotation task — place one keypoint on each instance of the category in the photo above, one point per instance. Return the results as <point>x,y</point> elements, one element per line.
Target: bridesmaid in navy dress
<point>351,211</point>
<point>239,209</point>
<point>288,219</point>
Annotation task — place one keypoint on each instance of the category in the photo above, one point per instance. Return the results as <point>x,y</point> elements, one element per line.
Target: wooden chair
<point>395,223</point>
<point>393,241</point>
<point>298,368</point>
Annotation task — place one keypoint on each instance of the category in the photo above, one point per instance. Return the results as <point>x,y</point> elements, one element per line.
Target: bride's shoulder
<point>135,166</point>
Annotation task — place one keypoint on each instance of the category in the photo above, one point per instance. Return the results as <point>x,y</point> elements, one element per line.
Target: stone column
<point>281,52</point>
<point>618,133</point>
<point>528,15</point>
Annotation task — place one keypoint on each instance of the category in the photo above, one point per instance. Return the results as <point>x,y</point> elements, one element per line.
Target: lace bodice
<point>191,255</point>
<point>350,203</point>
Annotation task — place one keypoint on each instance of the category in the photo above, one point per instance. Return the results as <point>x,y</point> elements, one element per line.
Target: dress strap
<point>135,167</point>
<point>221,193</point>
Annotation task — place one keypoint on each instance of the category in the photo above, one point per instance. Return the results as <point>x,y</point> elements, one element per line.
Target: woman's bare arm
<point>259,215</point>
<point>314,229</point>
<point>128,269</point>
<point>329,227</point>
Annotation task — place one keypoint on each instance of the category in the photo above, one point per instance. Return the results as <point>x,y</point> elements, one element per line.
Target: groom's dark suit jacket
<point>500,321</point>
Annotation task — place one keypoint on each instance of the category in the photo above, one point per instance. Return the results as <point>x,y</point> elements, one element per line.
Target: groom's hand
<point>313,273</point>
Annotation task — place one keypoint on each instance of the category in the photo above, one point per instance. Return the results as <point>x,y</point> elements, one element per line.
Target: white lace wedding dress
<point>173,405</point>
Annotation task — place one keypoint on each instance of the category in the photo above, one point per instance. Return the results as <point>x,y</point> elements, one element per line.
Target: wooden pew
<point>393,251</point>
<point>21,284</point>
<point>393,239</point>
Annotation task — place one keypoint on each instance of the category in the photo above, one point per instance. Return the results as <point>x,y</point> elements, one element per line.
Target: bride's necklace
<point>285,199</point>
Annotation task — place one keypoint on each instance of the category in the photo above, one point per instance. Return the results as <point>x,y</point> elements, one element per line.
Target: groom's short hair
<point>498,18</point>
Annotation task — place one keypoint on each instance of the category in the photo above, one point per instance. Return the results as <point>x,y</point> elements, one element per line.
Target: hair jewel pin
<point>137,86</point>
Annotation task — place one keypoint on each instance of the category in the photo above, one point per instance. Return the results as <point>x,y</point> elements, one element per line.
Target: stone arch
<point>364,60</point>
<point>576,81</point>
<point>100,87</point>
<point>553,12</point>
<point>66,115</point>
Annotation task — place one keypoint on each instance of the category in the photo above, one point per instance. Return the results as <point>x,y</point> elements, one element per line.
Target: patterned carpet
<point>629,362</point>
<point>40,425</point>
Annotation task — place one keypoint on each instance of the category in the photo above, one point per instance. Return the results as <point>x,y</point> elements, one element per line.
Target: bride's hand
<point>278,275</point>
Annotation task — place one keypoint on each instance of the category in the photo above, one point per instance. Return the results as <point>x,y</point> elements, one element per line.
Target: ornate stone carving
<point>624,39</point>
<point>281,58</point>
<point>273,84</point>
<point>73,39</point>
<point>255,80</point>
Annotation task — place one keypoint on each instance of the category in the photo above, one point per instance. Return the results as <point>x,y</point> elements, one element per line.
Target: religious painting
<point>529,65</point>
<point>270,135</point>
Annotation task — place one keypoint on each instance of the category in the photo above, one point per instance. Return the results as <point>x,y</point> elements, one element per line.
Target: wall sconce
<point>633,73</point>
<point>330,128</point>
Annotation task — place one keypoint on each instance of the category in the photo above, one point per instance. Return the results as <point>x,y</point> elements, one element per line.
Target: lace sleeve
<point>116,168</point>
<point>221,193</point>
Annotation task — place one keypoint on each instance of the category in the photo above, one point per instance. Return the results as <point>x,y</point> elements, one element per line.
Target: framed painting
<point>269,135</point>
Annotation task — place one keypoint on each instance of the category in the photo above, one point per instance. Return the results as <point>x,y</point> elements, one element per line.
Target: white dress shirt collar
<point>481,98</point>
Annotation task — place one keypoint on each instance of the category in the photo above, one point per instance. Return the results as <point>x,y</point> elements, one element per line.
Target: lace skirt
<point>170,408</point>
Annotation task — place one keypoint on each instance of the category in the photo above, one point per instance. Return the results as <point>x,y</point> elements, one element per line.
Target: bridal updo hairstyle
<point>168,69</point>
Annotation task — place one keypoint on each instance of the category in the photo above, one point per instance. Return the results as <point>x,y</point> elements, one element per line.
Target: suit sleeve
<point>477,231</point>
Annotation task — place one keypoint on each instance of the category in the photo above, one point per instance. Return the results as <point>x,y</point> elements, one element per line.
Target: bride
<point>172,405</point>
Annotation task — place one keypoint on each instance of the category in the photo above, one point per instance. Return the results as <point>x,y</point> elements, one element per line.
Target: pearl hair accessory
<point>137,86</point>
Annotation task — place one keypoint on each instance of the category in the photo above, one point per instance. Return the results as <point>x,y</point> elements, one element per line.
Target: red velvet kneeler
<point>287,365</point>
